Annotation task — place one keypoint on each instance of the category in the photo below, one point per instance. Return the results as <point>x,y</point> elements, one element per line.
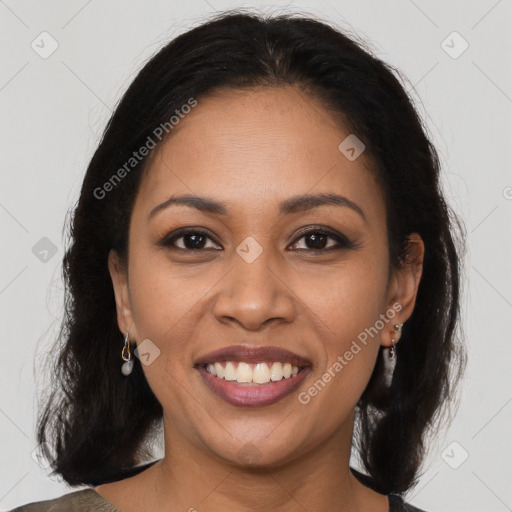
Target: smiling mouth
<point>253,374</point>
<point>251,385</point>
<point>250,376</point>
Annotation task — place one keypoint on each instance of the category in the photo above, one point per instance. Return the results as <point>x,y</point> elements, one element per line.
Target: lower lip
<point>257,395</point>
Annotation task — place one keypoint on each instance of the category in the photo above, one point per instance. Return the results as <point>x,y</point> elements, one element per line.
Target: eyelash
<point>342,241</point>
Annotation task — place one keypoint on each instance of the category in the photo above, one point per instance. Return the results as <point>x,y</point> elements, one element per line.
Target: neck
<point>193,479</point>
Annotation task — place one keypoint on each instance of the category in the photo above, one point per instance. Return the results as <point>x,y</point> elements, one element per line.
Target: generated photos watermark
<point>137,156</point>
<point>342,360</point>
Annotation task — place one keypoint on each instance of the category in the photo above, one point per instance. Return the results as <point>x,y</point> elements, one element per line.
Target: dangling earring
<point>127,367</point>
<point>390,358</point>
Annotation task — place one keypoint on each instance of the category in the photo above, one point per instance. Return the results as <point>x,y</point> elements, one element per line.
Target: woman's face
<point>256,277</point>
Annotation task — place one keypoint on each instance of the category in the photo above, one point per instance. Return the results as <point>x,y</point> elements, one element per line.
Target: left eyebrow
<point>308,202</point>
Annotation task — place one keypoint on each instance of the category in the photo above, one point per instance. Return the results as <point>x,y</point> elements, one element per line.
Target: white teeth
<point>219,370</point>
<point>258,373</point>
<point>230,371</point>
<point>243,372</point>
<point>276,371</point>
<point>261,373</point>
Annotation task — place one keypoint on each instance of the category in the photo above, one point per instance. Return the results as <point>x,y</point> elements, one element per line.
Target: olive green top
<point>89,500</point>
<point>78,501</point>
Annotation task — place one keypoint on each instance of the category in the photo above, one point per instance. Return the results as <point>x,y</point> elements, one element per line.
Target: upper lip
<point>238,353</point>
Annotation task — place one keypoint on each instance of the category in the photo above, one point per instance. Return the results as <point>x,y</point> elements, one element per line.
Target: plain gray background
<point>53,110</point>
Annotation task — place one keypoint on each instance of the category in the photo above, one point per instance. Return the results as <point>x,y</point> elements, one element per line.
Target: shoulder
<point>397,504</point>
<point>77,501</point>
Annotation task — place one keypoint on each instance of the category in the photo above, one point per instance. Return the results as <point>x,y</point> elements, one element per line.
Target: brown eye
<point>316,240</point>
<point>189,241</point>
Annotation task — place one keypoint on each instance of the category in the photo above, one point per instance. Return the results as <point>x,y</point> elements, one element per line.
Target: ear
<point>403,287</point>
<point>119,275</point>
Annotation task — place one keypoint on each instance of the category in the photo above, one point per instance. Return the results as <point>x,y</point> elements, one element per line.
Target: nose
<point>254,295</point>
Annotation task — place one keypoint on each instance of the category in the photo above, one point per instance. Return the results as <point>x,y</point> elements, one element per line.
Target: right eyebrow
<point>200,203</point>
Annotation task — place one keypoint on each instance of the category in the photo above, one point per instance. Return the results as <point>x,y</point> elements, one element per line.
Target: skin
<point>252,149</point>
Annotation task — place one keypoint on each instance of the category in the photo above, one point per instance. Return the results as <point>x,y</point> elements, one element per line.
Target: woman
<point>261,261</point>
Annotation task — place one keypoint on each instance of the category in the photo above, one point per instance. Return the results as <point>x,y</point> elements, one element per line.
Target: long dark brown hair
<point>95,419</point>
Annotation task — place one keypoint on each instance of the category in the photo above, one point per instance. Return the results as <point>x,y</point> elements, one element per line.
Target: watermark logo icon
<point>249,454</point>
<point>352,147</point>
<point>454,455</point>
<point>454,45</point>
<point>44,45</point>
<point>147,352</point>
<point>249,249</point>
<point>44,250</point>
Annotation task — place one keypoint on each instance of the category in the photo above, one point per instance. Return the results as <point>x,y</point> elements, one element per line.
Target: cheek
<point>164,305</point>
<point>347,306</point>
<point>163,299</point>
<point>350,298</point>
<point>162,290</point>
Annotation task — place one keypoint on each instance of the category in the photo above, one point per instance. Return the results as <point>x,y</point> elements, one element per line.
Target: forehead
<point>258,145</point>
